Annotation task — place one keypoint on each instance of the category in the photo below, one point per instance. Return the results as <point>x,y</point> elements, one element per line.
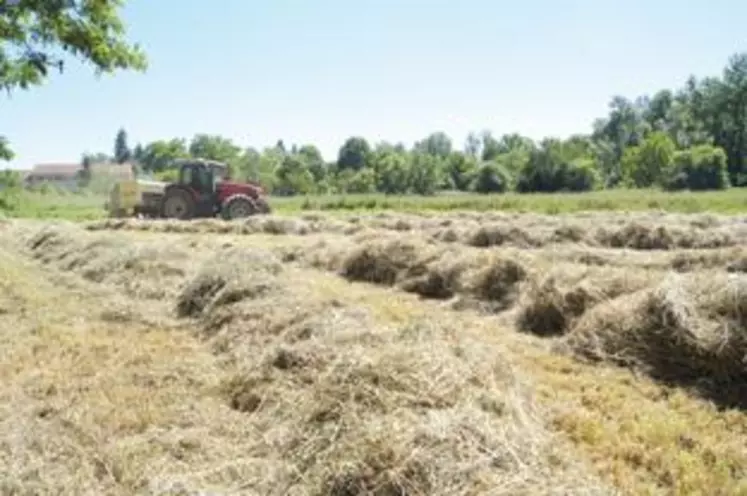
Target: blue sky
<point>318,71</point>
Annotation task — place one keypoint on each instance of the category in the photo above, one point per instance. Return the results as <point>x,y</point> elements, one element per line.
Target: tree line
<point>694,137</point>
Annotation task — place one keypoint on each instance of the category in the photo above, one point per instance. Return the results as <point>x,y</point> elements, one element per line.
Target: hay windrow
<point>500,234</point>
<point>496,280</point>
<point>434,271</point>
<point>730,259</point>
<point>143,270</point>
<point>352,405</point>
<point>643,236</point>
<point>686,330</point>
<point>262,224</point>
<point>557,299</point>
<point>386,262</point>
<point>400,413</point>
<point>231,276</point>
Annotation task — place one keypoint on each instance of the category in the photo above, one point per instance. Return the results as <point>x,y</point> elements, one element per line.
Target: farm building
<point>66,175</point>
<point>61,175</point>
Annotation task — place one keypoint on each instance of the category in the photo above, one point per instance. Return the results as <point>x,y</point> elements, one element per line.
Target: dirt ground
<point>386,354</point>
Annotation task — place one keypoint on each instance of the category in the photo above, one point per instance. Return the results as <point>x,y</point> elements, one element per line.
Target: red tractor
<point>204,189</point>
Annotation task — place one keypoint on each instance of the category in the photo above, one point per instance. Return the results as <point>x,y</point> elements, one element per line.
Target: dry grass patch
<point>643,437</point>
<point>86,407</point>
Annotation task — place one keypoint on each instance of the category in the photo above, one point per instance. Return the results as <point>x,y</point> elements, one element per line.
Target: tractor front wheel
<point>237,207</point>
<point>177,204</point>
<point>263,206</point>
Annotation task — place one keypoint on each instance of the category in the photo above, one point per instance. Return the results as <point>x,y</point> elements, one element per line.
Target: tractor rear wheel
<point>177,204</point>
<point>238,206</point>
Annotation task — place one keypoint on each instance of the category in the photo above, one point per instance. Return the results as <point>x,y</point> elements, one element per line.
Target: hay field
<point>385,354</point>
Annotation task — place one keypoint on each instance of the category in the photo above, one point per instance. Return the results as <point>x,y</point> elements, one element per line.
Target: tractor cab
<point>201,176</point>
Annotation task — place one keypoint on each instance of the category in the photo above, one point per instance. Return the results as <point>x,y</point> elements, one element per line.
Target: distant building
<point>67,175</point>
<point>61,175</point>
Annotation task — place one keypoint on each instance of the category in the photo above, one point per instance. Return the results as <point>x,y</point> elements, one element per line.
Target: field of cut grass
<point>384,353</point>
<point>91,206</point>
<point>731,201</point>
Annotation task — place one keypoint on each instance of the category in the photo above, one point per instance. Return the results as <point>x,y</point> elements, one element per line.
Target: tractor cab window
<point>221,174</point>
<point>187,175</point>
<point>203,179</point>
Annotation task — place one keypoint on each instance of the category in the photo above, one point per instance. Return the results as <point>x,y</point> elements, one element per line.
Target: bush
<point>491,178</point>
<point>548,176</point>
<point>10,188</point>
<point>580,175</point>
<point>699,168</point>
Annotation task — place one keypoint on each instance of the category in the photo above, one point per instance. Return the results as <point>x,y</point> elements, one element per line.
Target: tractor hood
<point>244,187</point>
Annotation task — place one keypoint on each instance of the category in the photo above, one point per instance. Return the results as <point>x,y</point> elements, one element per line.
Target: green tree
<point>10,190</point>
<point>513,161</point>
<point>354,154</point>
<point>392,170</point>
<point>160,154</point>
<point>357,182</point>
<point>460,168</point>
<point>702,167</point>
<point>122,151</point>
<point>473,145</point>
<point>215,147</point>
<point>312,158</point>
<point>437,144</point>
<point>491,178</point>
<point>557,166</point>
<point>425,173</point>
<point>5,152</point>
<point>269,161</point>
<point>137,153</point>
<point>650,163</point>
<point>84,176</point>
<point>293,177</point>
<point>247,166</point>
<point>35,34</point>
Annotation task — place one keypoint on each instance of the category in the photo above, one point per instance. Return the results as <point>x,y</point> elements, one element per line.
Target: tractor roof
<point>206,162</point>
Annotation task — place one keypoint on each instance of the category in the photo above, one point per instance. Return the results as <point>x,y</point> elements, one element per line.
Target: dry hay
<point>433,271</point>
<point>144,270</point>
<point>645,232</point>
<point>261,224</point>
<point>732,260</point>
<point>501,234</point>
<point>339,404</point>
<point>644,236</point>
<point>556,300</point>
<point>387,261</point>
<point>689,330</point>
<point>231,275</point>
<point>332,401</point>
